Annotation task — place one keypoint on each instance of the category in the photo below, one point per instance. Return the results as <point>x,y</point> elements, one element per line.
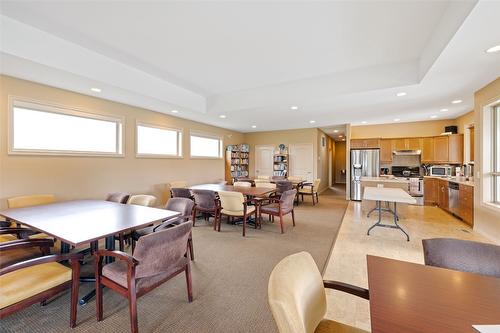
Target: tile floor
<point>348,258</point>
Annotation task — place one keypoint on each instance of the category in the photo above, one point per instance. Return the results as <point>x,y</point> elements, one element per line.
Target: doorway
<point>302,161</point>
<point>264,160</point>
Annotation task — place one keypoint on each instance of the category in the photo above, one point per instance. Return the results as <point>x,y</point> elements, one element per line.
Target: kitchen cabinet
<point>399,144</point>
<point>365,143</point>
<point>441,149</point>
<point>414,143</point>
<point>455,149</point>
<point>427,150</point>
<point>385,151</point>
<point>430,191</point>
<point>443,194</point>
<point>466,206</point>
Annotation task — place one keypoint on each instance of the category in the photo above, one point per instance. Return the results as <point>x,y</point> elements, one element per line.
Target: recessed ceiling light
<point>434,116</point>
<point>335,131</point>
<point>364,122</point>
<point>253,126</point>
<point>343,139</point>
<point>97,90</point>
<point>175,111</point>
<point>401,94</point>
<point>493,49</point>
<point>294,107</point>
<point>222,116</point>
<point>456,101</point>
<point>312,121</point>
<point>443,110</point>
<point>397,119</point>
<point>341,136</point>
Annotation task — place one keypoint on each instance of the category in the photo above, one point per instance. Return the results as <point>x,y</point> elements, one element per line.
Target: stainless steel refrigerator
<point>364,163</point>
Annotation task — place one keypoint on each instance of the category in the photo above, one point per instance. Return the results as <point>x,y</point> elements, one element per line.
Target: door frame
<point>272,146</point>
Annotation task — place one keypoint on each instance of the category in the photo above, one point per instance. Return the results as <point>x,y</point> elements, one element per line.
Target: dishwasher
<point>453,201</point>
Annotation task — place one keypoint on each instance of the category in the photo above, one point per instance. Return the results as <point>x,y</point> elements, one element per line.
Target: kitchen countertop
<point>385,180</point>
<point>458,180</point>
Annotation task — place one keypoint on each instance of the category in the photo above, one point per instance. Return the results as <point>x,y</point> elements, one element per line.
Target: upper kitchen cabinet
<point>385,151</point>
<point>414,143</point>
<point>399,144</point>
<point>455,149</point>
<point>441,149</point>
<point>365,143</point>
<point>427,150</point>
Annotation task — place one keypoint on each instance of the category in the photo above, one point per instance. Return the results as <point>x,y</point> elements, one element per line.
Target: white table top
<point>388,194</point>
<point>82,221</point>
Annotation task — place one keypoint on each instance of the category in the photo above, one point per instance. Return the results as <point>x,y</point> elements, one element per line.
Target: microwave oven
<point>440,170</point>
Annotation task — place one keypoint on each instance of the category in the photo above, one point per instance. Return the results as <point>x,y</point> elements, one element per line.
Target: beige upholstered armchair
<point>310,189</point>
<point>233,204</point>
<point>297,297</point>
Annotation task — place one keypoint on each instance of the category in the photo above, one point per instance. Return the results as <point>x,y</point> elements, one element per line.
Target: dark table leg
<point>110,245</point>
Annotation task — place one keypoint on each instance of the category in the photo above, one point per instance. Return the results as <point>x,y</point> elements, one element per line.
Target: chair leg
<point>293,218</point>
<point>132,303</point>
<point>122,242</point>
<point>133,245</point>
<point>190,245</point>
<point>281,223</point>
<point>317,197</point>
<point>244,224</point>
<point>189,283</point>
<point>194,217</point>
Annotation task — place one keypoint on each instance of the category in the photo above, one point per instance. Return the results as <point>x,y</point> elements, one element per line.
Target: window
<point>496,155</point>
<point>206,146</point>
<point>43,129</point>
<point>156,141</point>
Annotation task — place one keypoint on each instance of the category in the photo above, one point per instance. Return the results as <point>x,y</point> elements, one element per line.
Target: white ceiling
<point>340,62</point>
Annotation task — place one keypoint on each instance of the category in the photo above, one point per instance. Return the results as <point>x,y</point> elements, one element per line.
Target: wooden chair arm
<point>24,243</point>
<point>73,257</point>
<point>20,232</point>
<point>116,254</point>
<point>347,288</point>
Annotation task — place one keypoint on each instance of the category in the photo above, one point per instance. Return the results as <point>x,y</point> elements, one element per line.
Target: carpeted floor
<point>230,275</point>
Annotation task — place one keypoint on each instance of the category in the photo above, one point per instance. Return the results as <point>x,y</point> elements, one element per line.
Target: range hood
<point>407,152</point>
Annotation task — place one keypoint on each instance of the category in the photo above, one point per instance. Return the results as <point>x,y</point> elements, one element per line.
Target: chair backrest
<point>243,184</point>
<point>178,184</point>
<point>118,197</point>
<point>181,205</point>
<point>30,200</point>
<point>204,199</point>
<point>142,200</point>
<point>287,198</point>
<point>265,185</point>
<point>265,177</point>
<point>158,251</point>
<point>180,192</point>
<point>257,180</point>
<point>231,200</point>
<point>294,178</point>
<point>316,183</point>
<point>296,294</point>
<point>283,186</point>
<point>462,255</point>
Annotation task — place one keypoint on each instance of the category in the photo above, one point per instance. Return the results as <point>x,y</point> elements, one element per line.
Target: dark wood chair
<point>122,198</point>
<point>207,203</point>
<point>14,255</point>
<point>297,297</point>
<point>280,207</point>
<point>462,255</point>
<point>157,258</point>
<point>182,205</point>
<point>18,290</point>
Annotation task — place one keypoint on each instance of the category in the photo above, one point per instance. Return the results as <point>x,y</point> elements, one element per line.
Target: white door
<point>302,161</point>
<point>264,160</point>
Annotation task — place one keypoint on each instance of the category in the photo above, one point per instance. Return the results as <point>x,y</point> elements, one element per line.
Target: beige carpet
<point>230,275</point>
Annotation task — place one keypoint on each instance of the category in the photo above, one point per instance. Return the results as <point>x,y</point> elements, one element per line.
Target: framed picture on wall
<point>323,141</point>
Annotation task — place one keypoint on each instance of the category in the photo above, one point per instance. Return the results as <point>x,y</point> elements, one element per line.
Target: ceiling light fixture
<point>493,49</point>
<point>397,119</point>
<point>456,101</point>
<point>364,122</point>
<point>175,111</point>
<point>434,116</point>
<point>443,110</point>
<point>312,121</point>
<point>97,90</point>
<point>253,126</point>
<point>341,136</point>
<point>335,131</point>
<point>343,139</point>
<point>222,116</point>
<point>401,94</point>
<point>294,107</point>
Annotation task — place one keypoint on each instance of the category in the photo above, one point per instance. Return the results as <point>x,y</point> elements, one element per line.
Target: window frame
<point>489,139</point>
<point>495,169</point>
<point>180,135</point>
<point>207,136</point>
<point>51,107</point>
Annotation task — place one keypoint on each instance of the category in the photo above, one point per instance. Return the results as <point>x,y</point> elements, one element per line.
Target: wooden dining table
<point>247,191</point>
<point>83,222</point>
<point>408,297</point>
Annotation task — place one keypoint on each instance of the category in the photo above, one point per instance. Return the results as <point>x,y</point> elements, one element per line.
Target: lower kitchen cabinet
<point>443,199</point>
<point>430,191</point>
<point>466,208</point>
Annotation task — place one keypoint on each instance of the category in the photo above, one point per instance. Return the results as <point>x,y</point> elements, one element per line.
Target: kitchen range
<point>413,175</point>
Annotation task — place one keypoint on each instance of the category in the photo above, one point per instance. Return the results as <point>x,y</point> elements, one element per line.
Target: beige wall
<point>274,138</point>
<point>486,219</point>
<point>94,177</point>
<point>340,161</point>
<point>464,121</point>
<point>398,130</point>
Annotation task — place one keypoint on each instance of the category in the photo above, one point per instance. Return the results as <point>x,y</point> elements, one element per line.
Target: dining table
<point>85,222</point>
<point>409,297</point>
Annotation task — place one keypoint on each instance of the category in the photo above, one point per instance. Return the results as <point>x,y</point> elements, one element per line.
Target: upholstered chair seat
<point>233,204</point>
<point>239,212</point>
<point>280,207</point>
<point>331,326</point>
<point>311,189</point>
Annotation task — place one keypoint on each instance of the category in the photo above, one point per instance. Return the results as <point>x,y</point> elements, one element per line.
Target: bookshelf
<point>280,165</point>
<point>237,161</point>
